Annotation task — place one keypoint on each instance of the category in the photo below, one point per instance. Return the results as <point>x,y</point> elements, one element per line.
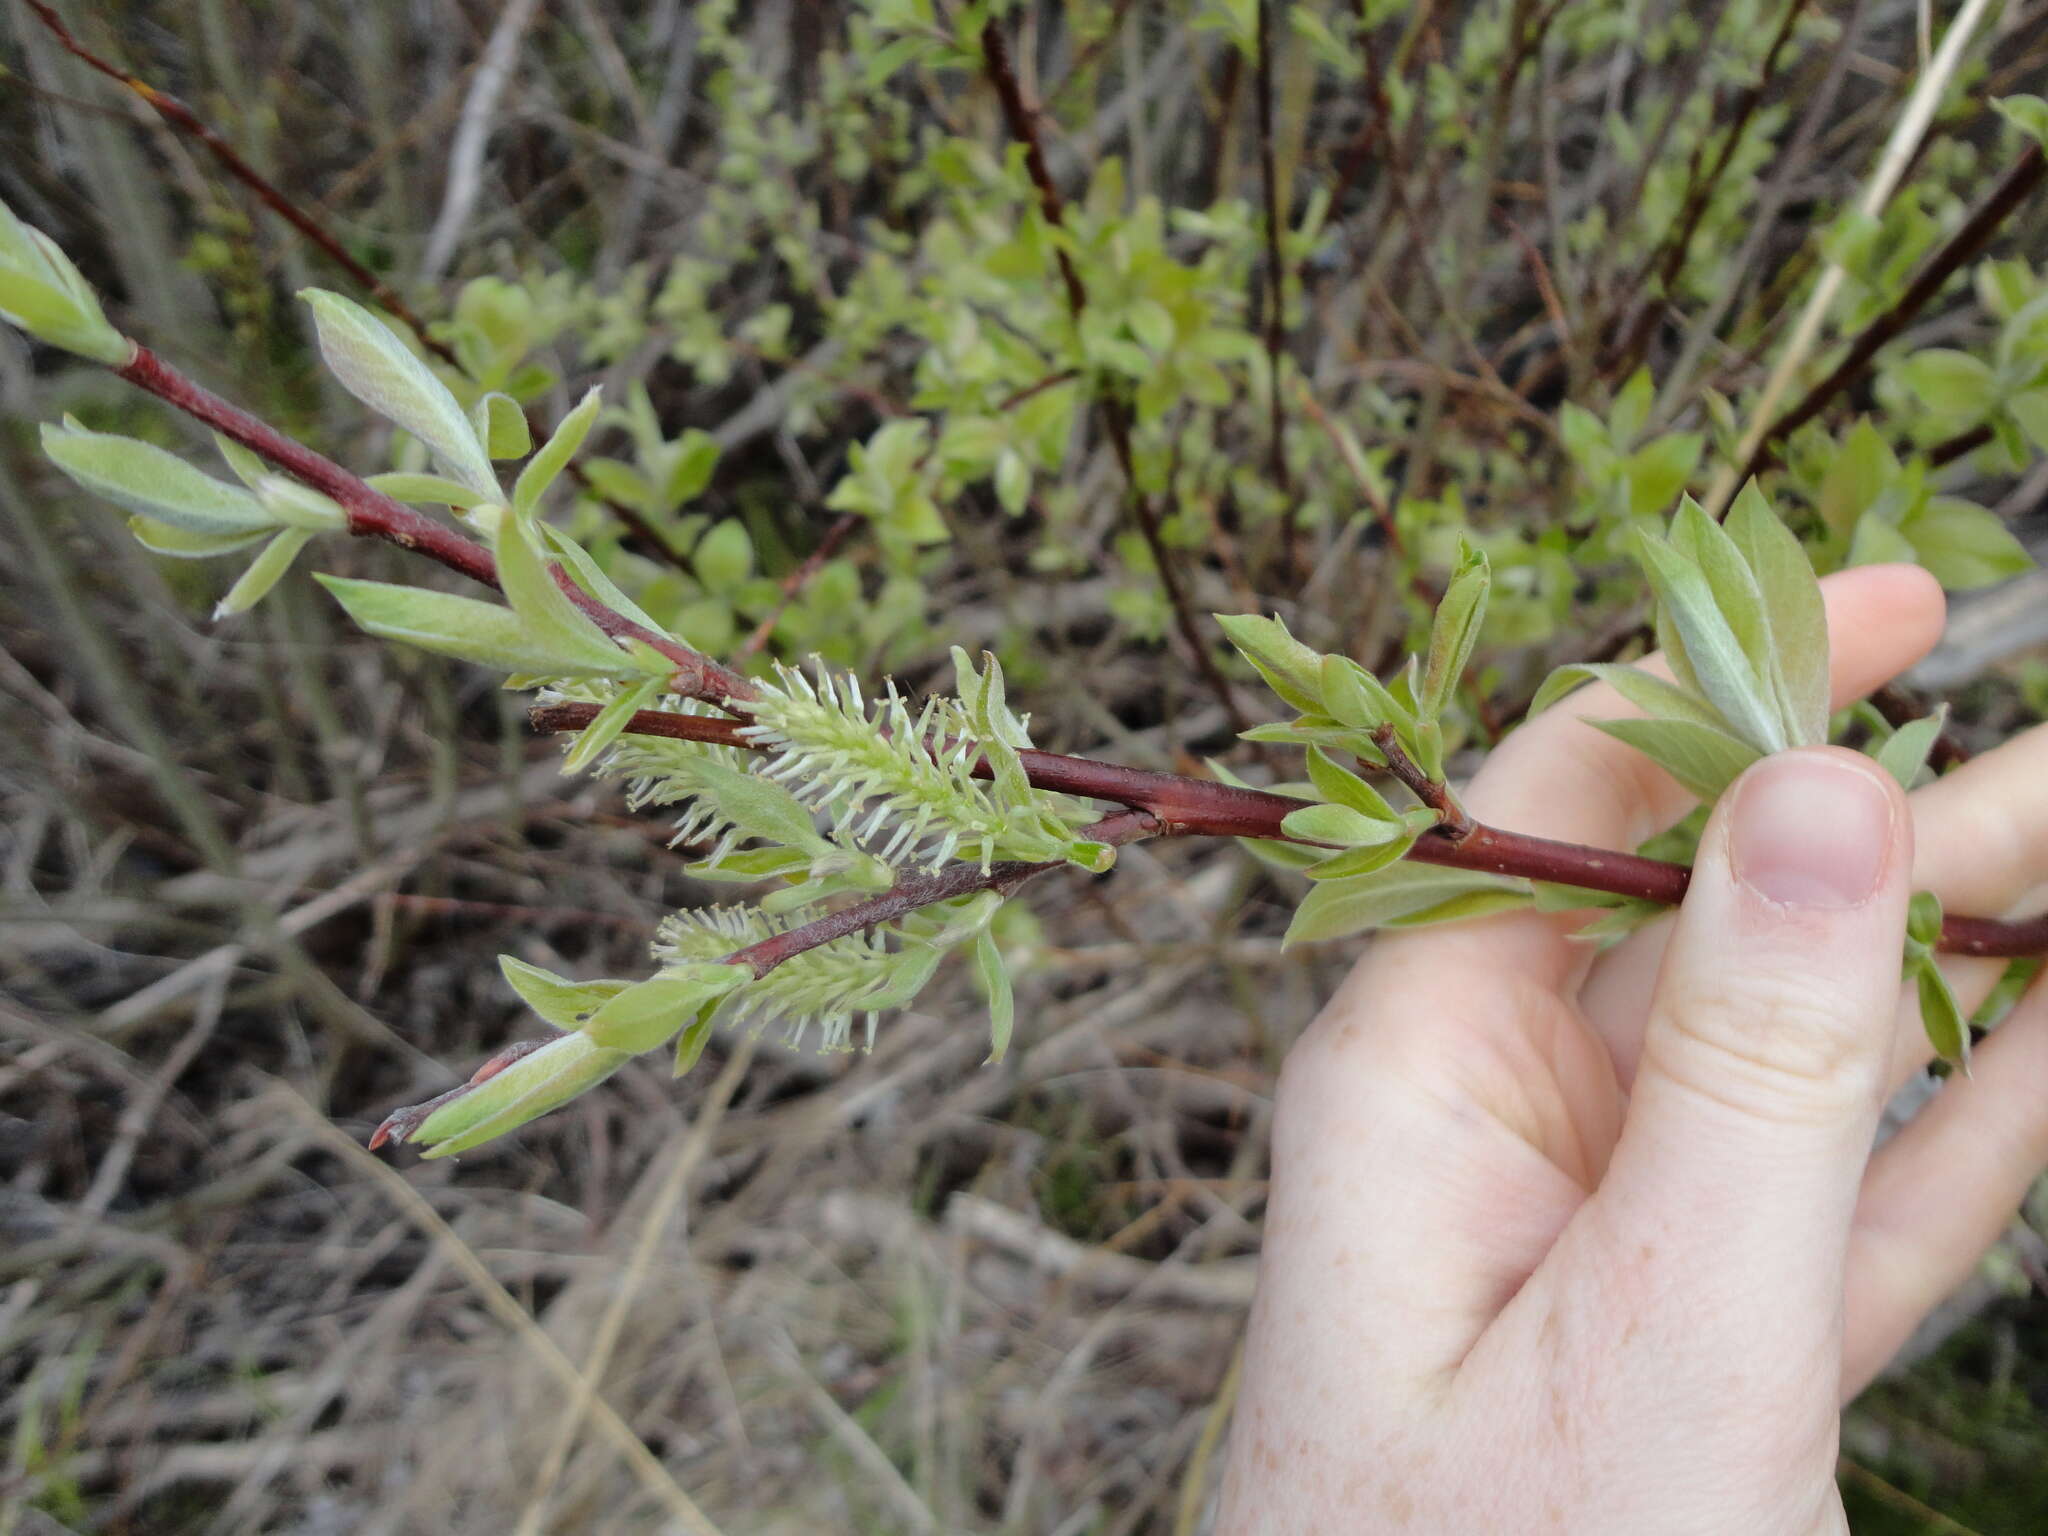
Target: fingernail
<point>1809,830</point>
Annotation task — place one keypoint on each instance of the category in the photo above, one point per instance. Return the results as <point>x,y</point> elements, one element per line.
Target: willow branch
<point>373,515</point>
<point>1205,808</point>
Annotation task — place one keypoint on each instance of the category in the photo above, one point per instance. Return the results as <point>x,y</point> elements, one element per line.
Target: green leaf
<point>1860,472</point>
<point>431,490</point>
<point>549,616</point>
<point>1951,384</point>
<point>1704,759</point>
<point>1879,542</point>
<point>501,426</point>
<point>249,468</point>
<point>43,294</point>
<point>1904,756</point>
<point>994,977</point>
<point>139,477</point>
<point>2029,114</point>
<point>1340,826</point>
<point>1659,470</point>
<point>649,1013</point>
<point>264,572</point>
<point>1340,786</point>
<point>381,371</point>
<point>542,1080</point>
<point>593,580</point>
<point>1455,630</point>
<point>608,724</point>
<point>556,452</point>
<point>181,544</point>
<point>457,626</point>
<point>1354,697</point>
<point>696,460</point>
<point>1651,694</point>
<point>724,557</point>
<point>1797,615</point>
<point>1712,649</point>
<point>1406,891</point>
<point>300,506</point>
<point>1363,860</point>
<point>1290,668</point>
<point>1964,545</point>
<point>1941,1016</point>
<point>1013,481</point>
<point>1923,920</point>
<point>2029,408</point>
<point>562,1002</point>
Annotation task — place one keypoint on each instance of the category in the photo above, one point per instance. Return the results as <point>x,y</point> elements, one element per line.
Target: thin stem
<point>1964,246</point>
<point>925,890</point>
<point>1203,807</point>
<point>372,514</point>
<point>796,581</point>
<point>1276,278</point>
<point>1022,121</point>
<point>188,122</point>
<point>1452,821</point>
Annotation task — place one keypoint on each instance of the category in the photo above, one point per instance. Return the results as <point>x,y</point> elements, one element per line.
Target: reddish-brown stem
<point>1022,121</point>
<point>372,514</point>
<point>1276,278</point>
<point>796,581</point>
<point>1964,246</point>
<point>1452,821</point>
<point>186,121</point>
<point>1203,807</point>
<point>924,890</point>
<point>1669,260</point>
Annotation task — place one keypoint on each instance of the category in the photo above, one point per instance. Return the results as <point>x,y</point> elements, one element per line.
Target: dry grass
<point>252,878</point>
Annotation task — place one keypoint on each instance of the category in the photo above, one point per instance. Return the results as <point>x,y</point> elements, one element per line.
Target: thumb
<point>1769,1034</point>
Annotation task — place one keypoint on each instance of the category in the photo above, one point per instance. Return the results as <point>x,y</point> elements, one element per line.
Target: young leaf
<point>140,477</point>
<point>537,1082</point>
<point>556,452</point>
<point>1704,759</point>
<point>994,977</point>
<point>42,293</point>
<point>609,722</point>
<point>264,573</point>
<point>550,617</point>
<point>432,490</point>
<point>182,544</point>
<point>1940,1015</point>
<point>1904,757</point>
<point>457,626</point>
<point>650,1012</point>
<point>1712,650</point>
<point>1651,694</point>
<point>501,426</point>
<point>1340,826</point>
<point>1792,600</point>
<point>1459,618</point>
<point>381,371</point>
<point>298,506</point>
<point>1404,891</point>
<point>1290,668</point>
<point>562,1002</point>
<point>1355,697</point>
<point>1342,787</point>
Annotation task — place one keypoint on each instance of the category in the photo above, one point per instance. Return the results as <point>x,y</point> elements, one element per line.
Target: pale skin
<point>1565,1243</point>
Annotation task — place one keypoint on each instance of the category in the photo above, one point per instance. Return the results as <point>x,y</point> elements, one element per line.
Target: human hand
<point>1565,1243</point>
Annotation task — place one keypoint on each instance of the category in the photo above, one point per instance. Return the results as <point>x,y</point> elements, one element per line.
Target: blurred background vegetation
<point>1049,341</point>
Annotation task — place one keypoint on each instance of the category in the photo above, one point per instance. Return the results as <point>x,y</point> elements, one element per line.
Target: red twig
<point>796,581</point>
<point>1203,807</point>
<point>1964,246</point>
<point>372,514</point>
<point>188,122</point>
